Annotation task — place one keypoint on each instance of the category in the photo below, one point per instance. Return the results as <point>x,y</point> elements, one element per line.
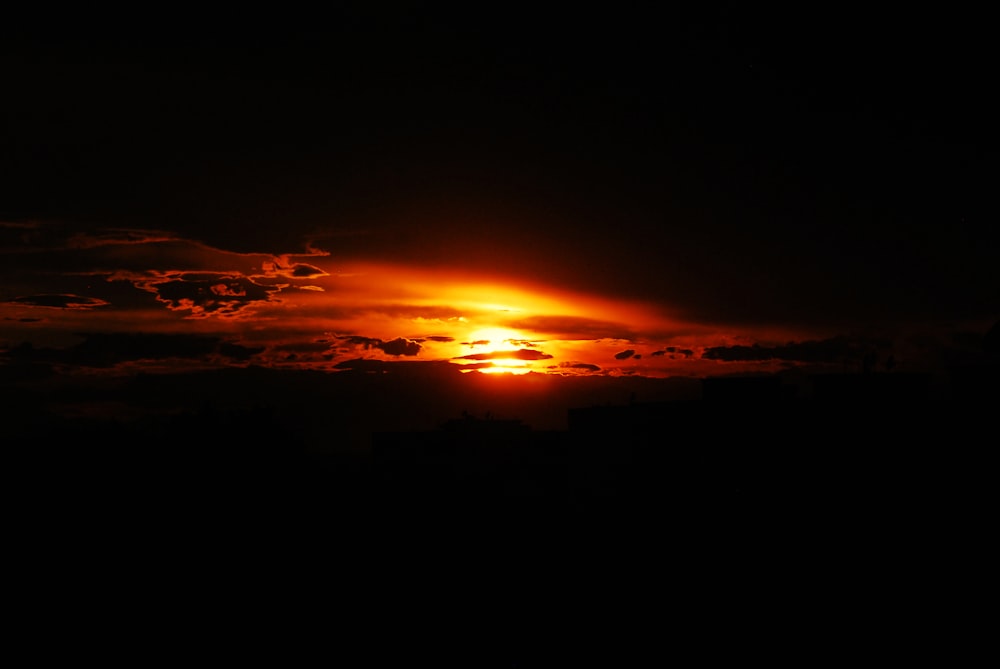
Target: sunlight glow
<point>501,366</point>
<point>492,324</point>
<point>491,339</point>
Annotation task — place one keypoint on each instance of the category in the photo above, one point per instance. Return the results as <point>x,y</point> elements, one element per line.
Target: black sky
<point>749,164</point>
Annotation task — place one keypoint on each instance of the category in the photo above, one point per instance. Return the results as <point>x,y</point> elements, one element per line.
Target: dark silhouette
<point>833,488</point>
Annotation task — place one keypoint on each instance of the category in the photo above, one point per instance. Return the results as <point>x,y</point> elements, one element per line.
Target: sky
<point>557,192</point>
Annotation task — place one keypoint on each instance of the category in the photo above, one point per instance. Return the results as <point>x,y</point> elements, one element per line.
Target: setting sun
<point>497,350</point>
<point>490,340</point>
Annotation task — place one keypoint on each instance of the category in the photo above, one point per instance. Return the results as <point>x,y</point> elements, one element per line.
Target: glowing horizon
<point>316,311</point>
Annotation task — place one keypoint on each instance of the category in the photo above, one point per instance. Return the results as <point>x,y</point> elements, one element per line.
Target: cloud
<point>304,271</point>
<point>293,270</point>
<point>400,346</point>
<point>59,301</point>
<point>100,349</point>
<point>184,274</point>
<point>674,352</point>
<point>358,340</point>
<point>520,354</point>
<point>624,355</point>
<point>207,294</point>
<point>579,365</point>
<point>836,349</point>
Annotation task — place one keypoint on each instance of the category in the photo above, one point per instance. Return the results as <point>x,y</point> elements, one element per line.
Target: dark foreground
<point>640,530</point>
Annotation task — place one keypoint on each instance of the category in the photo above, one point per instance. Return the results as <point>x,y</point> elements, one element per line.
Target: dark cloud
<point>674,352</point>
<point>625,355</point>
<point>294,270</point>
<point>837,349</point>
<point>358,340</point>
<point>57,301</point>
<point>208,294</point>
<point>397,347</point>
<point>520,354</point>
<point>579,365</point>
<point>302,289</point>
<point>303,271</point>
<point>400,346</point>
<point>108,349</point>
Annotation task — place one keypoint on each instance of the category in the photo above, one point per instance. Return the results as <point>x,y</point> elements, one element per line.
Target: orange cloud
<point>316,310</point>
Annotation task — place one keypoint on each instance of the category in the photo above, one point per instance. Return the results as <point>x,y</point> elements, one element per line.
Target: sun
<point>486,347</point>
<point>492,340</point>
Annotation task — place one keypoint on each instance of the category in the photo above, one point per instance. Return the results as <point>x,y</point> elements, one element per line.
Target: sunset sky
<point>678,194</point>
